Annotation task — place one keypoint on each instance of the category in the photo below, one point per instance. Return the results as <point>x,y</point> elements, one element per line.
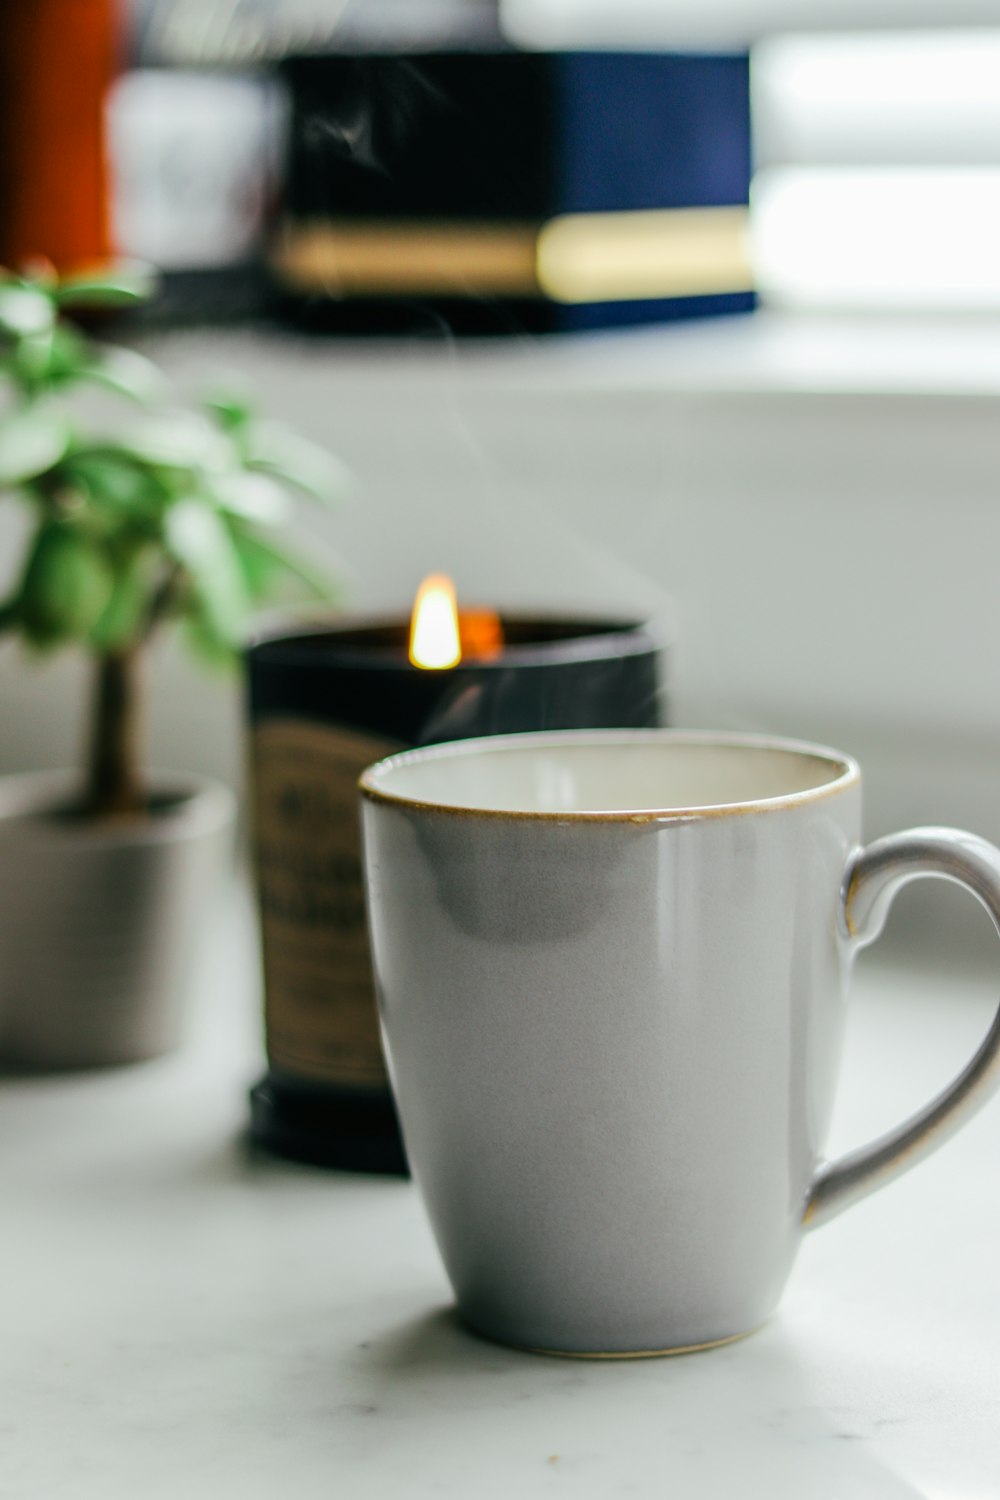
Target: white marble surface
<point>180,1321</point>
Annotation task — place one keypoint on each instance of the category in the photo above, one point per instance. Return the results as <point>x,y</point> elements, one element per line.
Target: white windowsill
<point>784,352</point>
<point>770,351</point>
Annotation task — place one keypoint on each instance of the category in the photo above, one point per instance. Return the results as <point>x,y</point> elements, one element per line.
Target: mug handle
<point>871,880</point>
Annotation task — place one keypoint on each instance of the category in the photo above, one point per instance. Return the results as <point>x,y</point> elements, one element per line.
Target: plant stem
<point>114,786</point>
<point>163,600</point>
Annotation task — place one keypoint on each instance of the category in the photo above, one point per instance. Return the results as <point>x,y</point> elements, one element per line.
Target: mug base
<point>667,1353</point>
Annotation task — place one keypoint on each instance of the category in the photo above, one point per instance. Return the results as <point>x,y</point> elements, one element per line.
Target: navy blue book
<point>511,191</point>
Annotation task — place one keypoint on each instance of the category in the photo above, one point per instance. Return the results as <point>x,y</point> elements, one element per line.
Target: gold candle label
<point>319,1006</point>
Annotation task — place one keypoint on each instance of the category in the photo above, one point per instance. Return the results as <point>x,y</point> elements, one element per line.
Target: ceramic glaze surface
<point>100,922</point>
<point>614,1046</point>
<point>611,972</point>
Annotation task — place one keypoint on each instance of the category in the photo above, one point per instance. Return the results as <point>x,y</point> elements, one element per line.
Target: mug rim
<point>849,774</point>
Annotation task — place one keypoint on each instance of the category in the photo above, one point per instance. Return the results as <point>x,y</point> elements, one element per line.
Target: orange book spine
<point>57,60</point>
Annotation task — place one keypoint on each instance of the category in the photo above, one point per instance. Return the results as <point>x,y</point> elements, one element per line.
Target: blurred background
<point>777,437</point>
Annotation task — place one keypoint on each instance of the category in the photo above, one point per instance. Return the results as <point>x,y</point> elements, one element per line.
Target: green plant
<point>169,519</point>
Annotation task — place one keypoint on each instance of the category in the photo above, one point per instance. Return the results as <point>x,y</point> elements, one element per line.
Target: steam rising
<point>502,521</point>
<point>372,120</point>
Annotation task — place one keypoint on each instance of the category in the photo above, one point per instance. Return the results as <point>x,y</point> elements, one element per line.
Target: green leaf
<point>122,619</point>
<point>265,565</point>
<point>24,310</point>
<point>180,440</point>
<point>66,585</point>
<point>31,360</point>
<point>31,442</point>
<point>69,355</point>
<point>127,373</point>
<point>251,497</point>
<point>196,537</point>
<point>261,569</point>
<point>278,450</point>
<point>119,286</point>
<point>114,482</point>
<point>231,409</point>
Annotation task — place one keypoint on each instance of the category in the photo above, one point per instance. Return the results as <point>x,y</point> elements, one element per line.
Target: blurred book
<point>503,191</point>
<point>57,59</point>
<point>394,165</point>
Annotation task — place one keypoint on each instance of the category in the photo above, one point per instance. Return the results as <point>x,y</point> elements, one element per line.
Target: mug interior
<point>610,772</point>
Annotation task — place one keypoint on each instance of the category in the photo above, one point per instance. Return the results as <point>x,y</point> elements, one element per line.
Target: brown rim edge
<point>850,775</point>
<point>618,1355</point>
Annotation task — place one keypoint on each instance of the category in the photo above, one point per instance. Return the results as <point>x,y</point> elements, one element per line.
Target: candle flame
<point>440,636</point>
<point>435,642</point>
<point>480,633</point>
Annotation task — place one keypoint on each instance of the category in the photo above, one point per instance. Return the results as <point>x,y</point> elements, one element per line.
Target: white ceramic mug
<point>612,968</point>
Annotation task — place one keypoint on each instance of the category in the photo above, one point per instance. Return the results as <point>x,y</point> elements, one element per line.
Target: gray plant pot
<point>100,923</point>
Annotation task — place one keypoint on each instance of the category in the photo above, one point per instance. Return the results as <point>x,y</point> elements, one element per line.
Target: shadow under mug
<point>611,970</point>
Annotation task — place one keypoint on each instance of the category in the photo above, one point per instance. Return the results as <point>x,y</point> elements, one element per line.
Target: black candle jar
<point>323,704</point>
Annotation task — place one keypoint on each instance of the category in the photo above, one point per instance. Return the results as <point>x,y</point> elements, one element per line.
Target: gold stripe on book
<point>628,256</point>
<point>671,252</point>
<point>367,258</point>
